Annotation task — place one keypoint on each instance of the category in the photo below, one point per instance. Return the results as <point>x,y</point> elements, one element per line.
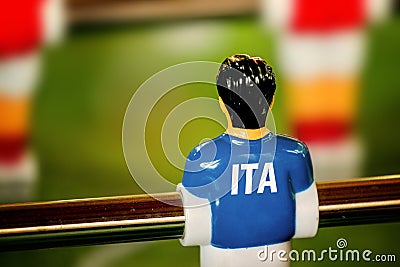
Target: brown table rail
<point>141,217</point>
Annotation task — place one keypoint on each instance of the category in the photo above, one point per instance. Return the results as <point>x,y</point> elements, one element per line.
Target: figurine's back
<point>250,185</point>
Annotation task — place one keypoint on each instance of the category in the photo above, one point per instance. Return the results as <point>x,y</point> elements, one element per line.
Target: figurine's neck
<point>250,134</point>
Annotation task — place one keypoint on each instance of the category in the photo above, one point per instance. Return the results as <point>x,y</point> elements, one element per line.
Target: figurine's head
<point>246,86</point>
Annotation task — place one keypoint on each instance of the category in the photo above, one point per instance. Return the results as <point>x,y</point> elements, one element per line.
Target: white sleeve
<point>307,212</point>
<point>197,219</point>
<point>378,10</point>
<point>277,14</point>
<point>54,21</point>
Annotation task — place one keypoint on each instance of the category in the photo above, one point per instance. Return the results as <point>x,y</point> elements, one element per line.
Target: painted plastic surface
<point>251,191</point>
<point>253,181</point>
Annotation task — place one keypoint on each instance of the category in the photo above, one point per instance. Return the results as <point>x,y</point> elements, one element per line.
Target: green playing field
<point>88,81</point>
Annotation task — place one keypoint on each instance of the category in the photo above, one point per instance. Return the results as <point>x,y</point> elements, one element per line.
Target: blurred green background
<point>88,81</point>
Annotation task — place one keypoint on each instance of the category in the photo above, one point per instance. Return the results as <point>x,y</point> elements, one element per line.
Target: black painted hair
<point>247,86</point>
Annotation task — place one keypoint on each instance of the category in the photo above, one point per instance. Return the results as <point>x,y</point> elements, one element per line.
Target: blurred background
<point>68,70</point>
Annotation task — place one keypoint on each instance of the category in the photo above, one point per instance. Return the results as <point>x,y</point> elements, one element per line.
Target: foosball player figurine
<point>26,26</point>
<point>249,191</point>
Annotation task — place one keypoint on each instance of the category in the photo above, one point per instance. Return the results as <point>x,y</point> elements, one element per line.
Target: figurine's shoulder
<point>289,144</point>
<point>221,142</point>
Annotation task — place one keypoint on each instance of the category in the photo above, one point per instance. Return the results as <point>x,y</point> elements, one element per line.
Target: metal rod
<point>90,221</point>
<point>141,217</point>
<point>111,11</point>
<point>359,201</point>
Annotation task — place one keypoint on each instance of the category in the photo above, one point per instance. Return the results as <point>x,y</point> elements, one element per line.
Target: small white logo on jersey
<point>249,168</point>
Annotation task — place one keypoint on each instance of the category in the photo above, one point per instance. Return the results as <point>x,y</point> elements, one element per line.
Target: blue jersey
<point>251,187</point>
